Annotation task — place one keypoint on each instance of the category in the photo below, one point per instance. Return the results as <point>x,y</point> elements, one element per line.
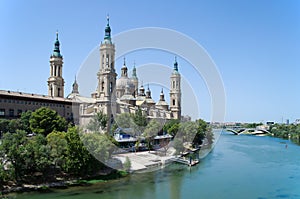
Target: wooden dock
<point>184,161</point>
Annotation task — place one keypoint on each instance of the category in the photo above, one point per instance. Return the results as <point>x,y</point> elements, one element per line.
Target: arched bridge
<point>250,131</point>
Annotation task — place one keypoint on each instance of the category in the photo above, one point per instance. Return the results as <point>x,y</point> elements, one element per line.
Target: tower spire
<point>162,95</point>
<point>148,92</point>
<point>134,71</point>
<point>56,51</point>
<point>124,69</point>
<point>175,64</point>
<point>107,36</point>
<point>75,86</point>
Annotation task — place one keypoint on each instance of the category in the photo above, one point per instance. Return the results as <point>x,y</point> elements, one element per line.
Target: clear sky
<point>255,45</point>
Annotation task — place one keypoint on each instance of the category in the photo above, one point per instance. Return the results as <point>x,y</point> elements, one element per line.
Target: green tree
<point>171,127</point>
<point>45,120</point>
<point>79,161</point>
<point>4,126</point>
<point>189,130</point>
<point>151,131</point>
<point>98,122</point>
<point>127,164</point>
<point>124,120</point>
<point>25,118</point>
<point>26,155</point>
<point>204,131</point>
<point>14,124</point>
<point>126,123</point>
<point>58,148</point>
<point>13,146</point>
<point>253,125</point>
<point>178,144</point>
<point>37,154</point>
<point>140,120</point>
<point>201,132</point>
<point>99,145</point>
<point>209,135</point>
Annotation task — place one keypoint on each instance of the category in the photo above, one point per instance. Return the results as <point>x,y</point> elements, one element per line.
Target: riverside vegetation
<point>284,131</point>
<point>41,147</point>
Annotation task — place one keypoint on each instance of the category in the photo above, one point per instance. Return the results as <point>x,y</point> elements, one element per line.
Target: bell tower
<point>56,81</point>
<point>175,93</point>
<point>106,89</point>
<point>135,81</point>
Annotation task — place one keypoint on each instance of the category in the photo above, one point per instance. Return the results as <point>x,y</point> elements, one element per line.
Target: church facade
<point>124,94</point>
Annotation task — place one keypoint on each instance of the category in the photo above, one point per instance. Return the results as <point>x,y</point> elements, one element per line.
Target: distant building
<point>270,123</point>
<point>297,121</point>
<point>12,104</point>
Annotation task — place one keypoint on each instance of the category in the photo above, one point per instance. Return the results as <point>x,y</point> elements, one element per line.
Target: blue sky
<point>255,45</point>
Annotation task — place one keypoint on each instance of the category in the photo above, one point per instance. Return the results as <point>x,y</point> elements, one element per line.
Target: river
<point>238,167</point>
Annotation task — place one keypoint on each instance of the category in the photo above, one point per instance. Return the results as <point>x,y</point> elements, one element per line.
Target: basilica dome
<point>122,82</point>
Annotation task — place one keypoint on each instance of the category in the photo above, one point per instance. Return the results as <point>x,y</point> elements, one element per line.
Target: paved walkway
<point>144,160</point>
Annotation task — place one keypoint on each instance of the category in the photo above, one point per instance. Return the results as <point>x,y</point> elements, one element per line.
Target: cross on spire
<point>107,18</point>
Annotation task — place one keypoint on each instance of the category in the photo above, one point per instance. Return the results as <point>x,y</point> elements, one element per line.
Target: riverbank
<point>61,183</point>
<point>238,167</point>
<point>140,162</point>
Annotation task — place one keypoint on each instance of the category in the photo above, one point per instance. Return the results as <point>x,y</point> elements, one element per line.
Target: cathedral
<point>115,95</point>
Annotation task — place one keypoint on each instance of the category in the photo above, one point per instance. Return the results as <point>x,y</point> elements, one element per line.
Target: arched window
<point>103,61</point>
<point>107,60</point>
<point>174,102</point>
<point>102,86</point>
<point>110,87</point>
<point>51,91</point>
<point>58,92</point>
<point>58,72</point>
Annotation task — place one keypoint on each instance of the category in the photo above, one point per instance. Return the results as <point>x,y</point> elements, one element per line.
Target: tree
<point>127,164</point>
<point>204,131</point>
<point>26,155</point>
<point>58,148</point>
<point>201,131</point>
<point>178,144</point>
<point>79,161</point>
<point>140,120</point>
<point>99,145</point>
<point>253,125</point>
<point>209,135</point>
<point>45,120</point>
<point>38,149</point>
<point>151,131</point>
<point>171,127</point>
<point>125,122</point>
<point>25,118</point>
<point>188,130</point>
<point>3,126</point>
<point>98,122</point>
<point>13,146</point>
